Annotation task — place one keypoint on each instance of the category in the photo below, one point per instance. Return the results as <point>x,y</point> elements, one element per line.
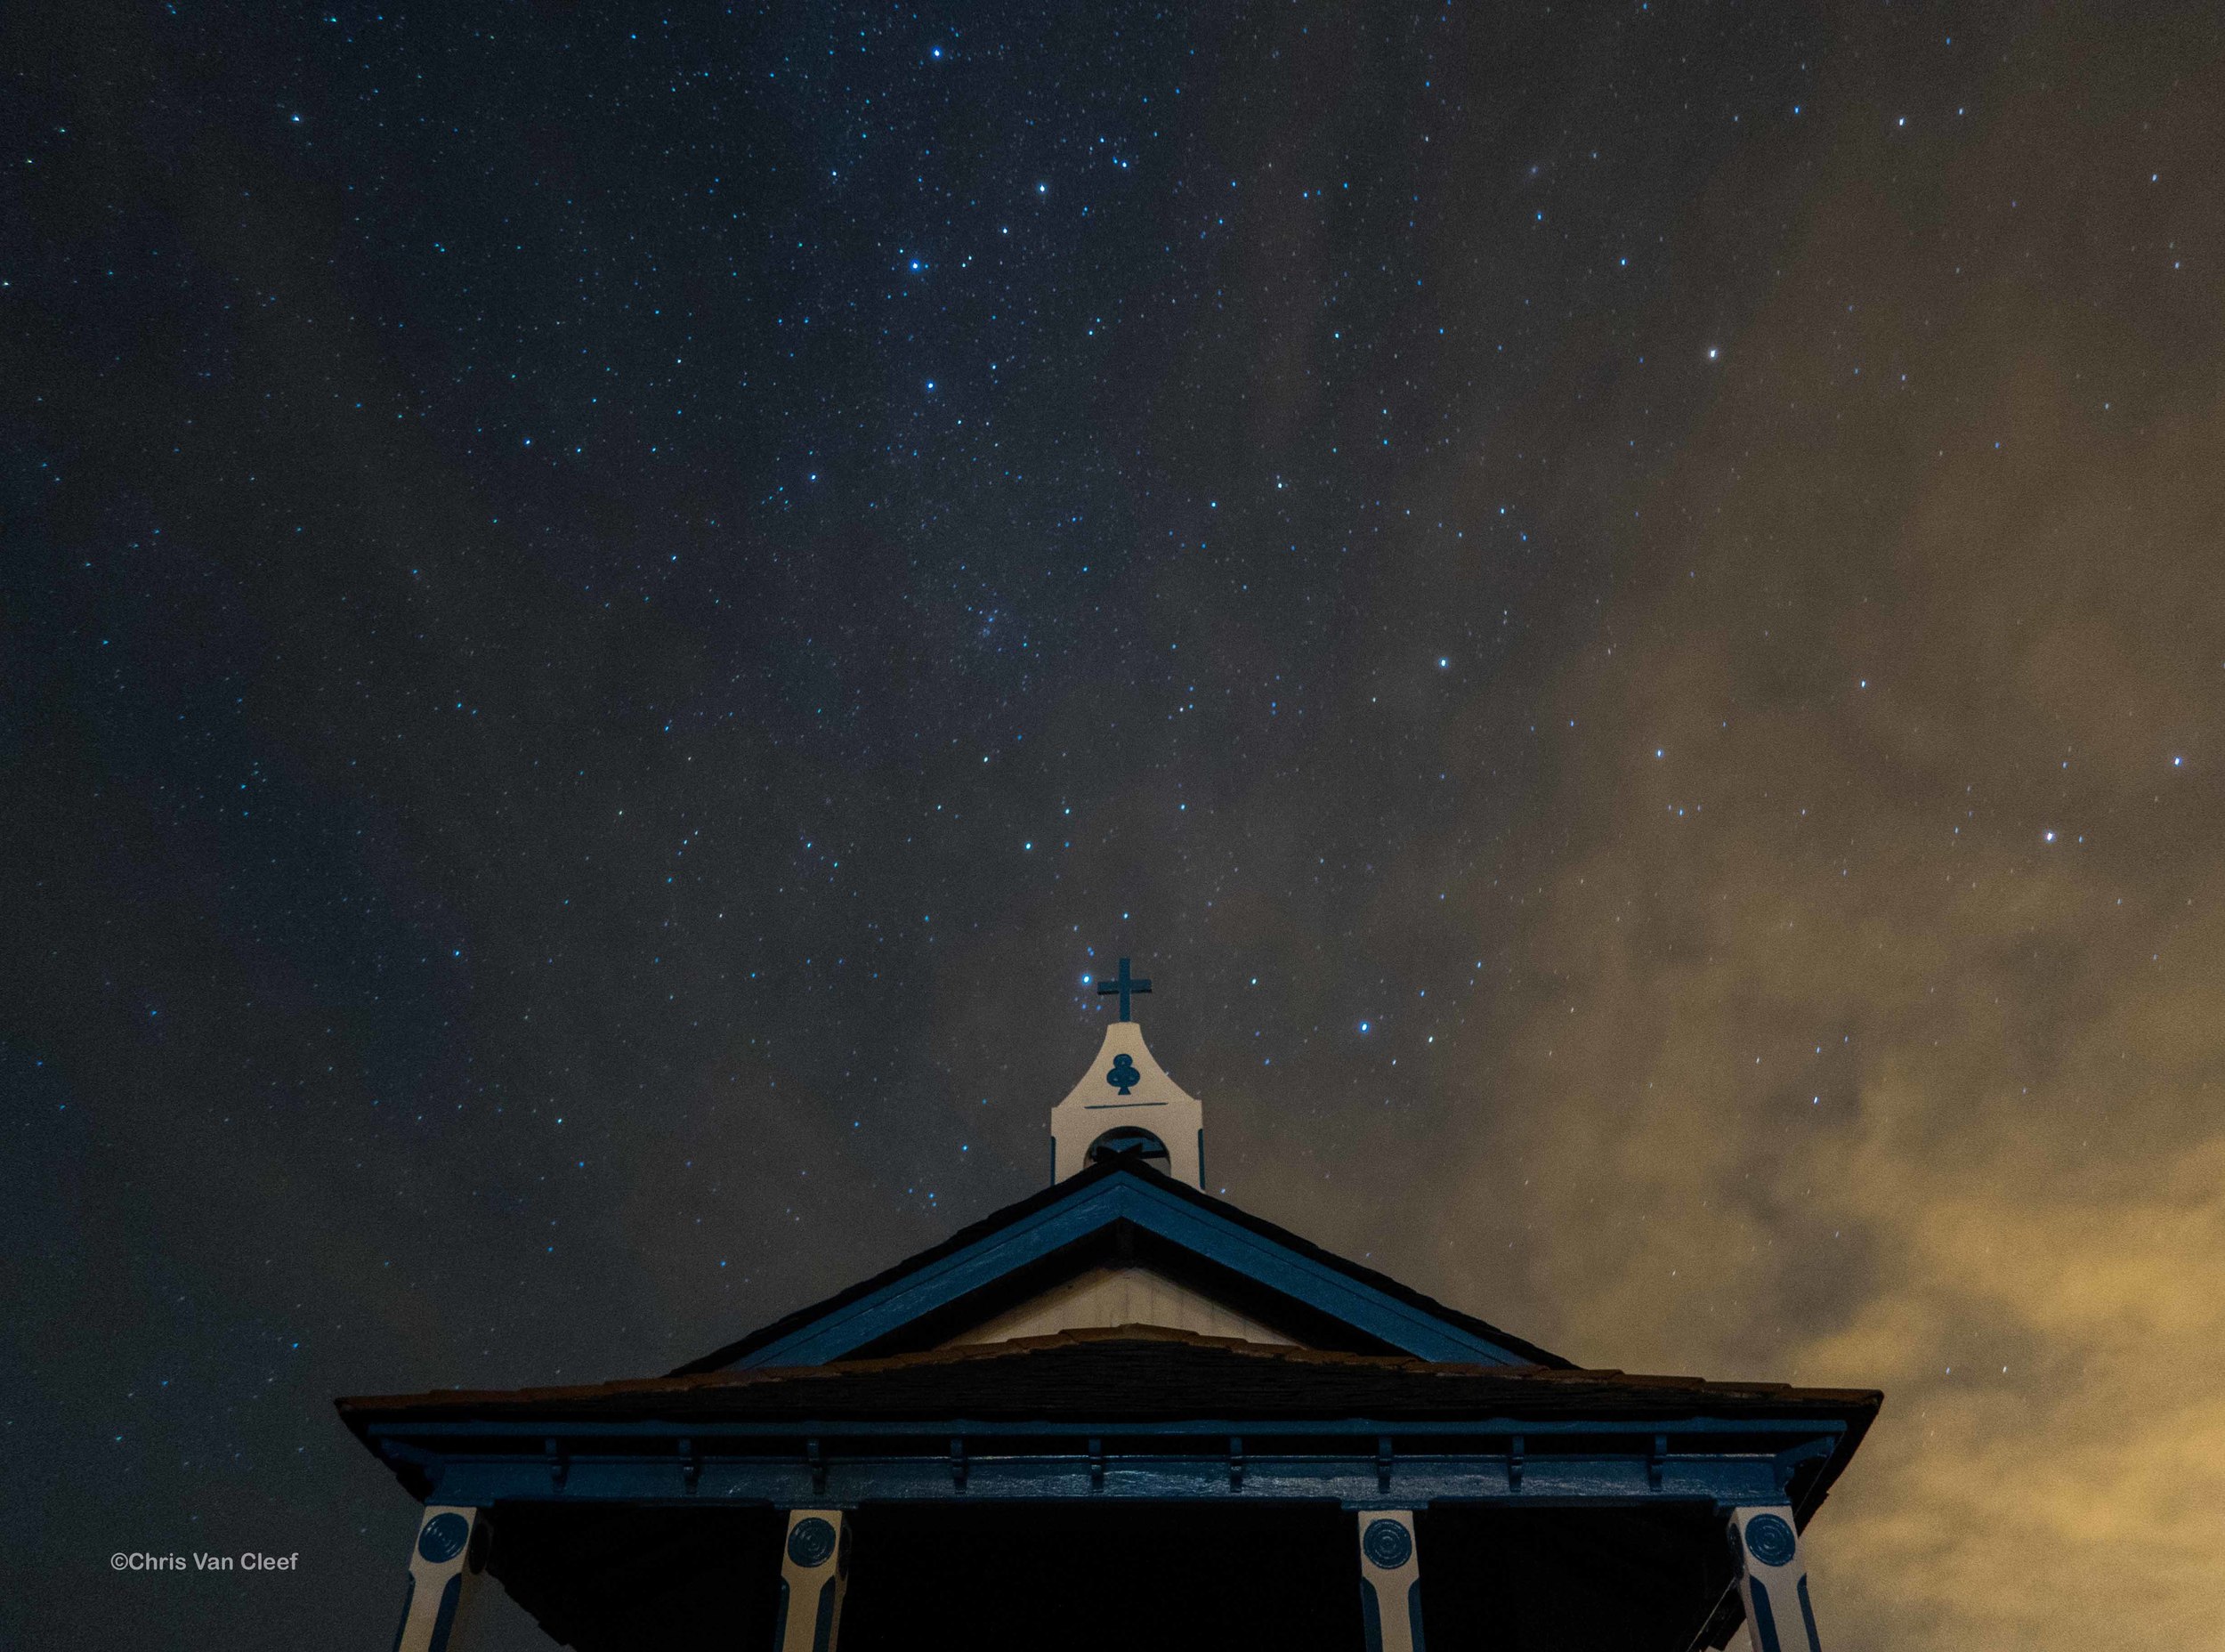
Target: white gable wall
<point>1119,1296</point>
<point>1148,1100</point>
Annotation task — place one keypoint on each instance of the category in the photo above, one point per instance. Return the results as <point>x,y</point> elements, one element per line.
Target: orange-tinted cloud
<point>1861,1022</point>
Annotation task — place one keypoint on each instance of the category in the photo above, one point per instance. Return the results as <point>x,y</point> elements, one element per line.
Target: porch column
<point>1390,1581</point>
<point>444,1567</point>
<point>1774,1580</point>
<point>814,1577</point>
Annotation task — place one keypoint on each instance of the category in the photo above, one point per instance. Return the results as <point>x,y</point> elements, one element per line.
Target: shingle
<point>1141,1372</point>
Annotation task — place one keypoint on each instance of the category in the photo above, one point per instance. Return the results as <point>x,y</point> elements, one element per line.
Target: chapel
<point>1123,1412</point>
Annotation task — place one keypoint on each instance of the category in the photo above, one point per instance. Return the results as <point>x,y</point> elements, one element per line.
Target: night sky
<point>606,615</point>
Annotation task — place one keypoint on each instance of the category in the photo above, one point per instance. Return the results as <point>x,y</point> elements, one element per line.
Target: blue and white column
<point>1772,1578</point>
<point>814,1577</point>
<point>1390,1581</point>
<point>444,1567</point>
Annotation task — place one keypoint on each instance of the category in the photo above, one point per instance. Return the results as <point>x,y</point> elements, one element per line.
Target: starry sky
<point>608,614</point>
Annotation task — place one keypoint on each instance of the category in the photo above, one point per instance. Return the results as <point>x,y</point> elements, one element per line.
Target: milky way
<point>609,617</point>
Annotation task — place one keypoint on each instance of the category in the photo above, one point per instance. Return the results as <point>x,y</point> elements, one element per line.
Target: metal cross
<point>1124,983</point>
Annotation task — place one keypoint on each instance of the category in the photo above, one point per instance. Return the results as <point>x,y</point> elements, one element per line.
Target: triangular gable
<point>1121,1213</point>
<point>1122,1293</point>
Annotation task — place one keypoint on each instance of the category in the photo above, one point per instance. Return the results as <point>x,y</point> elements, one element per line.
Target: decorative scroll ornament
<point>1769,1540</point>
<point>1388,1543</point>
<point>443,1538</point>
<point>810,1542</point>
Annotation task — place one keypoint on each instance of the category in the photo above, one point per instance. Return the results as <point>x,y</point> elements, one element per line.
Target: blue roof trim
<point>851,1325</point>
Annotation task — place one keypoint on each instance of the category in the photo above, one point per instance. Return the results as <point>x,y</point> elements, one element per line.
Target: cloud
<point>1861,1026</point>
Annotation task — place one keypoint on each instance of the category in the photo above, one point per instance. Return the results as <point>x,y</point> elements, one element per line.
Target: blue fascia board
<point>1510,1458</point>
<point>846,1329</point>
<point>1416,1481</point>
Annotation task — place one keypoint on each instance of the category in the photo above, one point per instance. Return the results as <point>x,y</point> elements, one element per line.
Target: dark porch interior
<point>1117,1574</point>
